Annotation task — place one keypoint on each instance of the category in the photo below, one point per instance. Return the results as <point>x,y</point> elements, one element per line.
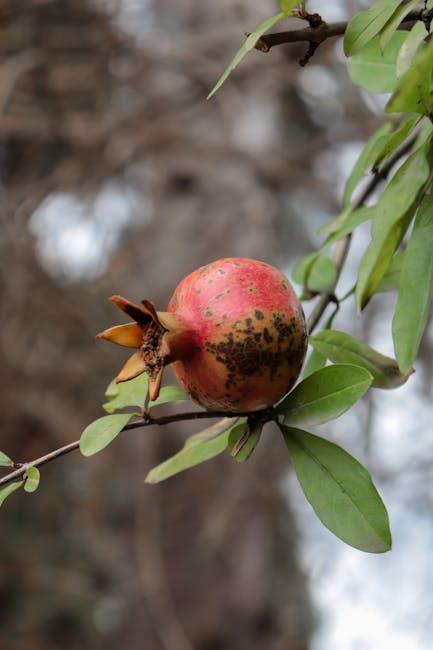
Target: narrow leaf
<point>213,431</point>
<point>325,395</point>
<point>31,483</point>
<point>127,393</point>
<point>391,279</point>
<point>413,92</point>
<point>373,68</point>
<point>366,24</point>
<point>169,394</point>
<point>246,47</point>
<point>98,434</point>
<point>317,360</point>
<point>416,285</point>
<point>337,222</point>
<point>397,138</point>
<point>409,48</point>
<point>366,160</point>
<point>352,221</point>
<point>388,31</point>
<point>189,456</point>
<point>340,490</point>
<point>8,489</point>
<point>340,347</point>
<point>5,461</point>
<point>394,213</point>
<point>377,258</point>
<point>288,7</point>
<point>243,440</point>
<point>112,389</point>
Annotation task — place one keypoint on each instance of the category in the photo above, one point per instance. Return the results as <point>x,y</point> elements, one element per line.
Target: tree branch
<point>315,34</point>
<point>343,245</point>
<point>147,421</point>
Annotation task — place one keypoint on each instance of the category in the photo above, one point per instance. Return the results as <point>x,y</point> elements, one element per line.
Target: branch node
<point>312,47</point>
<point>262,46</point>
<point>427,17</point>
<point>316,22</point>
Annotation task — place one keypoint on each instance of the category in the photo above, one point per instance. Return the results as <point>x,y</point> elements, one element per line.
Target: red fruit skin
<point>250,335</point>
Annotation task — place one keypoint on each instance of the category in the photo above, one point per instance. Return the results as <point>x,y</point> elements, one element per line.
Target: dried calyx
<point>159,337</point>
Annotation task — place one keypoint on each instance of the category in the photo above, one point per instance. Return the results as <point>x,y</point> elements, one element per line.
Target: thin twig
<point>314,34</point>
<point>142,422</point>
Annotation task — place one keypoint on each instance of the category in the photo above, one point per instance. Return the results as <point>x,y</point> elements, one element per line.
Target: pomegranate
<point>234,333</point>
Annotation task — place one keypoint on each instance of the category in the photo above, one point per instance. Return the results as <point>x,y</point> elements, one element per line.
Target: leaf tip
<point>150,478</point>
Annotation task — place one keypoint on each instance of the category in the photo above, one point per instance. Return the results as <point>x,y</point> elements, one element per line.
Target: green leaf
<point>98,434</point>
<point>366,24</point>
<point>340,491</point>
<point>213,431</point>
<point>190,455</point>
<point>31,483</point>
<point>323,275</point>
<point>302,268</point>
<point>340,347</point>
<point>388,31</point>
<point>352,221</point>
<point>243,440</point>
<point>394,213</point>
<point>5,461</point>
<point>246,47</point>
<point>377,258</point>
<point>391,279</point>
<point>126,393</point>
<point>8,489</point>
<point>374,69</point>
<point>317,273</point>
<point>113,389</point>
<point>325,395</point>
<point>396,138</point>
<point>169,394</point>
<point>425,135</point>
<point>288,7</point>
<point>409,48</point>
<point>416,285</point>
<point>236,432</point>
<point>413,91</point>
<point>315,362</point>
<point>366,160</point>
<point>336,222</point>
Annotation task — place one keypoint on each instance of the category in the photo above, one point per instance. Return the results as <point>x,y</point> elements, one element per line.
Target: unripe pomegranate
<point>234,331</point>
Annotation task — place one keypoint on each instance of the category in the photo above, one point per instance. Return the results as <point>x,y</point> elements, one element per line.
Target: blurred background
<point>118,177</point>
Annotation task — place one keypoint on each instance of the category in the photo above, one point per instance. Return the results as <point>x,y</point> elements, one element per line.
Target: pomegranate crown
<point>159,338</point>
